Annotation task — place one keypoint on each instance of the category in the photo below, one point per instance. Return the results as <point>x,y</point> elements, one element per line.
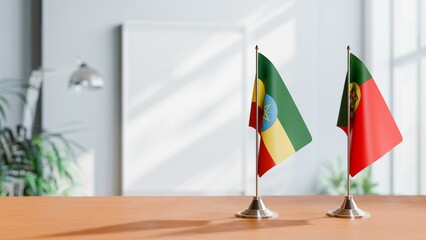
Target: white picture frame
<point>166,66</point>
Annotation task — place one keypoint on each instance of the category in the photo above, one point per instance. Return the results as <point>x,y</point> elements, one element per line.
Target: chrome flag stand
<point>348,209</point>
<point>257,208</point>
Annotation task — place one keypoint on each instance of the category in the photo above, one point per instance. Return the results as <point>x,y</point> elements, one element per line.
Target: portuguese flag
<point>281,127</point>
<point>373,129</point>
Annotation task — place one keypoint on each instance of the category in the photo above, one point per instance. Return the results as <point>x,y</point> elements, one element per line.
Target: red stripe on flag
<point>344,128</point>
<point>374,131</point>
<point>252,120</point>
<point>265,159</point>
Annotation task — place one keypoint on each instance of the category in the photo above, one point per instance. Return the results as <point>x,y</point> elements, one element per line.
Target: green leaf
<point>47,162</point>
<point>4,101</point>
<point>2,113</point>
<point>30,180</point>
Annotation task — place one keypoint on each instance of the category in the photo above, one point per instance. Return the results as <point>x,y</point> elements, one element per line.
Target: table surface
<point>300,217</point>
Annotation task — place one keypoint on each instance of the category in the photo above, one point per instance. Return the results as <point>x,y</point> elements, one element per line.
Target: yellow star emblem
<point>265,112</point>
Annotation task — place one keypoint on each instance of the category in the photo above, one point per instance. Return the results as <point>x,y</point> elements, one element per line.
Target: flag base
<point>257,209</point>
<point>348,209</point>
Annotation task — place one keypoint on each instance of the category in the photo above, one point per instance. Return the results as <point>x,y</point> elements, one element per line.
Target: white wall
<point>340,23</point>
<point>393,41</point>
<point>378,46</point>
<point>15,47</point>
<point>305,39</point>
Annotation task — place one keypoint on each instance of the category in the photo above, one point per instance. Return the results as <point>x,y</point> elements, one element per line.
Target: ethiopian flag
<point>373,129</point>
<point>281,127</point>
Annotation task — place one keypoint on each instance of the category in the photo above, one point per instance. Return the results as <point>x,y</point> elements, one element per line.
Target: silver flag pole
<point>257,208</point>
<point>348,209</point>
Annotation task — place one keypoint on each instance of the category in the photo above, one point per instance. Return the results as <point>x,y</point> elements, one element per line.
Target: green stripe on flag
<point>342,119</point>
<point>289,117</point>
<point>359,73</point>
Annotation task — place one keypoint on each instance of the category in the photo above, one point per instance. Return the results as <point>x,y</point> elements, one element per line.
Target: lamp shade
<point>86,77</point>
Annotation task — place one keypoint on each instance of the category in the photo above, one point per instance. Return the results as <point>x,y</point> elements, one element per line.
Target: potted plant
<point>35,165</point>
<point>334,180</point>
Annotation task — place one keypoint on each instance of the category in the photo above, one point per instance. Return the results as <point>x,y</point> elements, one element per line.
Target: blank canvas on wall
<point>183,109</point>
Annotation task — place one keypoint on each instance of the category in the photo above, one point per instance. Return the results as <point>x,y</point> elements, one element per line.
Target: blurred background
<point>172,117</point>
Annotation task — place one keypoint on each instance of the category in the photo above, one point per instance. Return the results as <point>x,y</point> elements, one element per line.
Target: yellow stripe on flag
<point>277,142</point>
<point>260,97</point>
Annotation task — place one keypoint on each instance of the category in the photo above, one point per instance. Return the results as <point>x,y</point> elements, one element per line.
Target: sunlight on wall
<point>406,115</point>
<point>207,50</point>
<point>394,46</point>
<point>265,13</point>
<point>283,38</point>
<point>188,94</point>
<point>405,33</point>
<point>423,23</point>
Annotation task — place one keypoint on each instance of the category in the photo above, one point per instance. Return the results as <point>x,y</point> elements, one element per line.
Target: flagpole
<point>349,120</point>
<point>257,208</point>
<point>348,209</point>
<point>257,124</point>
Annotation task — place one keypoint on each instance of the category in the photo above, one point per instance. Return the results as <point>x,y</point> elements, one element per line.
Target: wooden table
<point>399,217</point>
